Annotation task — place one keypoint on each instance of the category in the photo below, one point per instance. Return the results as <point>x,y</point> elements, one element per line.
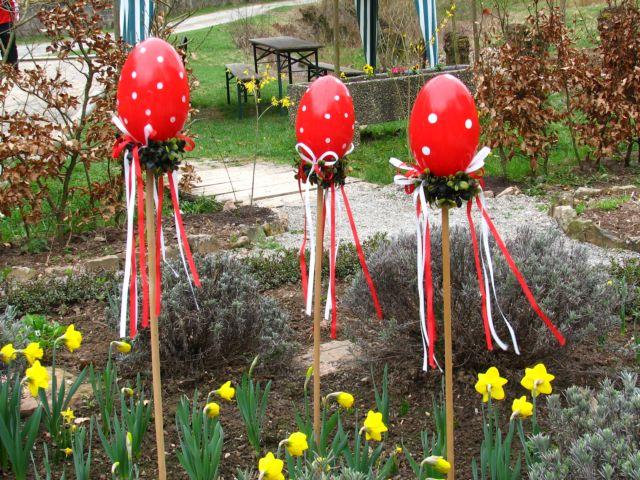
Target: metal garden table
<point>288,52</point>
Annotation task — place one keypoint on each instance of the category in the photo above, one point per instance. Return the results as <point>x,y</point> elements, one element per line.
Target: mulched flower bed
<point>624,222</point>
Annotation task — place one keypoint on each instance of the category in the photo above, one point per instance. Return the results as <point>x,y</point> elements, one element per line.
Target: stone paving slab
<point>334,356</point>
<point>273,182</point>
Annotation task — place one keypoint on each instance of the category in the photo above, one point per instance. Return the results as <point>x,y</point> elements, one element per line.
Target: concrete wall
<point>386,98</point>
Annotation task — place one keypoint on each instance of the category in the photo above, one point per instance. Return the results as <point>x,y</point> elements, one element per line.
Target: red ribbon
<point>302,253</point>
<point>519,277</point>
<point>143,251</point>
<point>428,280</point>
<point>483,293</point>
<point>183,235</point>
<point>363,262</point>
<point>332,266</point>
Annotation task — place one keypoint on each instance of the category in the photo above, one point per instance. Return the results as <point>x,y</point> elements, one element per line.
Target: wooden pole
<point>448,350</point>
<point>454,31</point>
<point>336,36</point>
<point>476,31</point>
<point>116,19</point>
<point>153,320</point>
<point>317,313</point>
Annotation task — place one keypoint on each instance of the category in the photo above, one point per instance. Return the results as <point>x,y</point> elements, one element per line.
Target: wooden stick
<point>317,313</point>
<point>448,350</point>
<point>153,319</point>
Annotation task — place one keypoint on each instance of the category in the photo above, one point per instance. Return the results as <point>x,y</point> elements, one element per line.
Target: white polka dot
<point>134,95</point>
<point>468,123</point>
<point>126,122</point>
<point>327,140</point>
<point>308,89</point>
<point>327,116</point>
<point>301,130</point>
<point>134,74</point>
<point>426,150</point>
<point>181,75</point>
<point>346,115</point>
<point>160,58</point>
<point>344,145</point>
<point>184,99</point>
<point>143,49</point>
<point>304,108</point>
<point>172,119</point>
<point>337,98</point>
<point>433,118</point>
<point>348,93</point>
<point>147,112</point>
<point>353,127</point>
<point>159,86</point>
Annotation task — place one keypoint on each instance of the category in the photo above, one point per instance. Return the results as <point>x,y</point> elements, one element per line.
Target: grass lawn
<point>222,135</point>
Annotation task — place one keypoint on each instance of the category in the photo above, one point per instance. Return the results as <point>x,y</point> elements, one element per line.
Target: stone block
<point>513,190</point>
<point>624,190</point>
<point>334,356</point>
<point>108,263</point>
<point>584,193</point>
<point>204,244</point>
<point>564,215</point>
<point>21,274</point>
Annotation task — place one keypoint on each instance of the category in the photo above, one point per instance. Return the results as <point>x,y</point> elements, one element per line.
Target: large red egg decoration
<point>443,127</point>
<point>153,90</point>
<point>326,118</point>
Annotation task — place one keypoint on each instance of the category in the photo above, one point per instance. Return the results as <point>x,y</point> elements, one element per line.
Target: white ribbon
<point>307,156</point>
<point>487,262</point>
<point>130,195</point>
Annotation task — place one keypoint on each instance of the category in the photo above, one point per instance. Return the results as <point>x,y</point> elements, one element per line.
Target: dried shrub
<point>233,319</point>
<point>514,81</point>
<point>572,292</point>
<point>595,434</point>
<point>49,145</point>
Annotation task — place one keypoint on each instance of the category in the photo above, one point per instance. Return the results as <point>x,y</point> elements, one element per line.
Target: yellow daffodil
<point>307,378</point>
<point>374,427</point>
<point>67,415</point>
<point>537,380</point>
<point>345,400</point>
<point>33,352</point>
<point>37,377</point>
<point>398,450</point>
<point>211,410</point>
<point>438,463</point>
<point>121,346</point>
<point>226,391</point>
<point>270,467</point>
<point>296,444</point>
<point>490,384</point>
<point>129,445</point>
<point>286,102</point>
<point>8,354</point>
<point>521,408</point>
<point>72,338</point>
<point>67,452</point>
<point>127,391</point>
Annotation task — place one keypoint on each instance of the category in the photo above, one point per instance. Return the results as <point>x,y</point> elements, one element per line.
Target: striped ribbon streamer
<point>428,24</point>
<point>367,12</point>
<point>135,20</point>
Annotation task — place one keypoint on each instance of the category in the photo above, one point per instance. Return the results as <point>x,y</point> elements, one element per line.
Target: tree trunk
<point>476,30</point>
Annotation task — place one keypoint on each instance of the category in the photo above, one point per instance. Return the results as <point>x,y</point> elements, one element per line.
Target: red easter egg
<point>326,118</point>
<point>443,127</point>
<point>153,90</point>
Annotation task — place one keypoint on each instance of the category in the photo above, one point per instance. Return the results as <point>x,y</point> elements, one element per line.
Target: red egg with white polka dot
<point>326,118</point>
<point>153,91</point>
<point>443,127</point>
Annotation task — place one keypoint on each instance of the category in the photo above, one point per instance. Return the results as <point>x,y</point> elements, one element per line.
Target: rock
<point>241,242</point>
<point>276,227</point>
<point>21,274</point>
<point>62,271</point>
<point>99,238</point>
<point>204,244</point>
<point>586,192</point>
<point>229,206</point>
<point>513,190</point>
<point>564,214</point>
<point>489,194</point>
<point>334,355</point>
<point>256,234</point>
<point>624,190</point>
<point>28,404</point>
<point>565,198</point>
<point>587,231</point>
<point>108,263</point>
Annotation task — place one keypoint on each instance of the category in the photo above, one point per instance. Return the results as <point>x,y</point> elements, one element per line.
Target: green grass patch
<point>612,203</point>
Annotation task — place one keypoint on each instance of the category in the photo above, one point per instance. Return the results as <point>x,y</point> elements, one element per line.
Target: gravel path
<point>388,209</point>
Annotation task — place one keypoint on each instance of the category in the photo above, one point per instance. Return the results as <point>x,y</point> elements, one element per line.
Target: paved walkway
<point>274,186</point>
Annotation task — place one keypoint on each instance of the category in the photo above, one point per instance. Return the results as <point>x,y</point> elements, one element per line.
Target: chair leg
<point>239,101</point>
<point>228,88</point>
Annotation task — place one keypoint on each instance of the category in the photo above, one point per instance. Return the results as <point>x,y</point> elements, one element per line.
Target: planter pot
<point>385,98</point>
